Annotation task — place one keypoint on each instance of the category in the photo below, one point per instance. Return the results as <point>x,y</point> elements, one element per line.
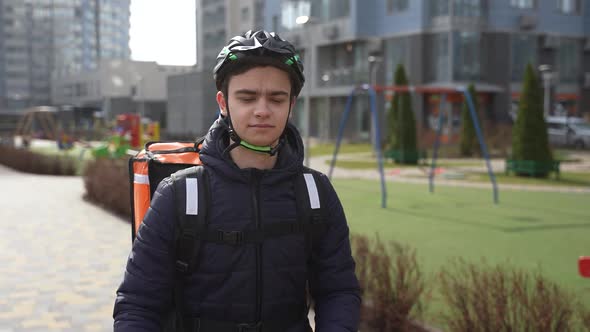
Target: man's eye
<point>247,100</point>
<point>277,101</point>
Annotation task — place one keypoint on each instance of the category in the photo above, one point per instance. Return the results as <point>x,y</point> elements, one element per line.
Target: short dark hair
<point>243,65</point>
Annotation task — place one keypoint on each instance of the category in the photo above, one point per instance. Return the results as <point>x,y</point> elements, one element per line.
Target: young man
<point>252,156</point>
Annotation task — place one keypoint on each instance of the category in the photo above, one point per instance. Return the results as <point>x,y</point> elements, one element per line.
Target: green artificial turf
<point>535,231</point>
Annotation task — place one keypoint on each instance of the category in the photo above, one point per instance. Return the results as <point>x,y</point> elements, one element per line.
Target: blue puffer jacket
<point>246,283</point>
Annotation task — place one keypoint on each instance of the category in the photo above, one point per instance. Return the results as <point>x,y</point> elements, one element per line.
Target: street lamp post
<point>547,74</point>
<point>305,22</point>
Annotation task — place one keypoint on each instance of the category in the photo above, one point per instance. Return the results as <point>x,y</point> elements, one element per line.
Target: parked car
<point>568,131</point>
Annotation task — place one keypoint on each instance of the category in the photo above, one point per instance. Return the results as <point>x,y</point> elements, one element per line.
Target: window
<point>523,4</point>
<point>397,51</point>
<point>568,60</point>
<point>343,64</point>
<point>290,10</point>
<point>466,64</point>
<point>395,6</point>
<point>467,8</point>
<point>327,10</point>
<point>245,14</point>
<point>440,60</point>
<point>275,23</point>
<point>523,51</point>
<point>439,8</point>
<point>568,6</point>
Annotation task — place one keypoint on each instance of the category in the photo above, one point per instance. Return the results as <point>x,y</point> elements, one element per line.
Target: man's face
<point>259,104</point>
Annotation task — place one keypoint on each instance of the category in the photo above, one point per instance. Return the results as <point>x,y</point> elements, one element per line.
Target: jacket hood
<point>289,157</point>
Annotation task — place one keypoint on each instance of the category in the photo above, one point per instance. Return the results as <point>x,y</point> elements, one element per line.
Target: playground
<point>75,130</point>
<point>535,231</point>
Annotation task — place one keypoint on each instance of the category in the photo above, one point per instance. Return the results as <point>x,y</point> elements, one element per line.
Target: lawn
<point>530,230</point>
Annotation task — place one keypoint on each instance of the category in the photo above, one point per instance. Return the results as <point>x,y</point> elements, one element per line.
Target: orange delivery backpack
<point>157,161</point>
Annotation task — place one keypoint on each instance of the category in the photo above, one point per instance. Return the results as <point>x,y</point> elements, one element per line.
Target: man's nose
<point>262,108</point>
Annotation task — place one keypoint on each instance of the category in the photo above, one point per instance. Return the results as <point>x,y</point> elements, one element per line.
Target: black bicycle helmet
<point>259,43</point>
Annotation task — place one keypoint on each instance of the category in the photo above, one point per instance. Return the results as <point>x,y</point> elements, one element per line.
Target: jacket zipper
<point>256,174</point>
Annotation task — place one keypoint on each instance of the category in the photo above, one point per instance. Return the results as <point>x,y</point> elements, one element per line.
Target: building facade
<point>119,86</point>
<point>191,103</point>
<point>44,38</point>
<point>443,44</point>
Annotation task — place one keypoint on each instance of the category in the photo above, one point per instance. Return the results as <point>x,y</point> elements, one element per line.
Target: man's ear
<point>221,102</point>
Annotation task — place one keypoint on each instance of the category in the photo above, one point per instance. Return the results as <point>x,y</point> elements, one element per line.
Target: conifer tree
<point>402,123</point>
<point>530,141</point>
<point>469,143</point>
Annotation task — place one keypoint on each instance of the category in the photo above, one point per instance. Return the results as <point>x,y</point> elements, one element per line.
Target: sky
<point>163,31</point>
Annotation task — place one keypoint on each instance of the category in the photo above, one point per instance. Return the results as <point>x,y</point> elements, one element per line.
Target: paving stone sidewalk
<point>62,258</point>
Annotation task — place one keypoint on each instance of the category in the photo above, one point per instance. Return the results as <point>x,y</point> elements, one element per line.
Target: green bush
<point>469,143</point>
<point>530,141</point>
<point>401,122</point>
<point>30,162</point>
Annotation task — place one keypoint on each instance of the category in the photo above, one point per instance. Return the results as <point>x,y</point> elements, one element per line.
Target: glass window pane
<point>441,61</point>
<point>568,6</point>
<point>396,52</point>
<point>524,51</point>
<point>568,56</point>
<point>524,4</point>
<point>466,64</point>
<point>467,8</point>
<point>439,8</point>
<point>394,6</point>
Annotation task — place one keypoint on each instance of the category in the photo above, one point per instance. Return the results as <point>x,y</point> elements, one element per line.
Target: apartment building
<point>44,38</point>
<point>441,43</point>
<point>191,103</point>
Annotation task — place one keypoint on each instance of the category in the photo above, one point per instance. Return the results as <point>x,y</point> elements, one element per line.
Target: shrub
<point>391,282</point>
<point>30,162</point>
<point>107,184</point>
<point>500,298</point>
<point>530,141</point>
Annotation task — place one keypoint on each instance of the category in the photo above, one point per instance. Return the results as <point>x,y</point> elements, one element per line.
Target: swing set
<point>372,91</point>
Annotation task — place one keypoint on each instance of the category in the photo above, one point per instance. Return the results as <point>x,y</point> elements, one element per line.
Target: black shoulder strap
<point>192,211</point>
<point>192,214</point>
<point>309,193</point>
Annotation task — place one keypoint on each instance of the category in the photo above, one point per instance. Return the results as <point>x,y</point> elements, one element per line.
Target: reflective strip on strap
<point>141,179</point>
<point>192,196</point>
<point>312,190</point>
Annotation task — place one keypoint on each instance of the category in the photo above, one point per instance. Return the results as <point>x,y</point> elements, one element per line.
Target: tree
<point>529,140</point>
<point>469,143</point>
<point>402,124</point>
